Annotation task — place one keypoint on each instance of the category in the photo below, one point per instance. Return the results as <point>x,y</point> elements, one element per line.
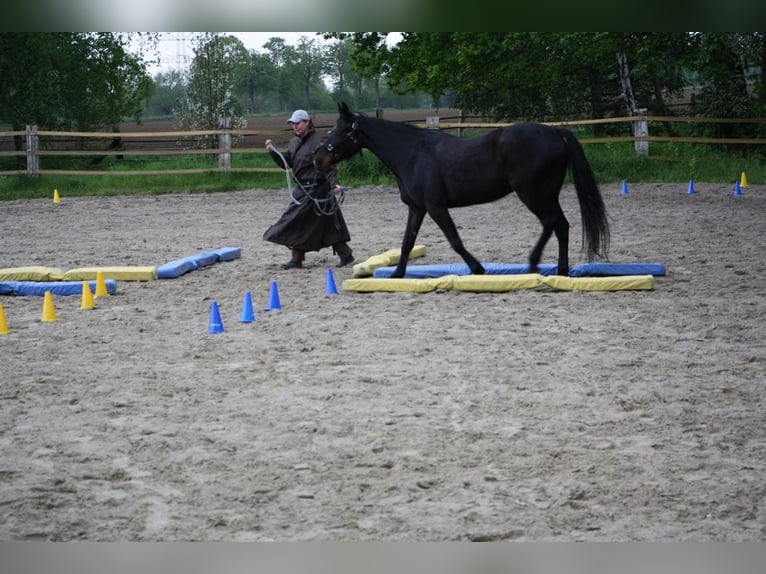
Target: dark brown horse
<point>437,171</point>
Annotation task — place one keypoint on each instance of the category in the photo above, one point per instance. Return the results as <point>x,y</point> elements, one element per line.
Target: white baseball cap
<point>298,116</point>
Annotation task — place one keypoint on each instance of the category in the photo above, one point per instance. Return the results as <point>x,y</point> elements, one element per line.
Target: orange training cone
<point>56,197</point>
<point>3,323</point>
<point>49,311</point>
<point>101,290</point>
<point>87,301</point>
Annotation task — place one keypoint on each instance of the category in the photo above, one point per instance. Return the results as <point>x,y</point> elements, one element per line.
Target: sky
<point>177,48</point>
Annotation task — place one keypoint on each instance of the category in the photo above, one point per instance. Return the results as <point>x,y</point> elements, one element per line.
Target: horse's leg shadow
<point>414,221</point>
<point>444,220</point>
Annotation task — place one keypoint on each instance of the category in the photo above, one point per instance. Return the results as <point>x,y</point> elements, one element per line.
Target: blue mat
<point>581,270</point>
<point>178,267</point>
<point>55,287</point>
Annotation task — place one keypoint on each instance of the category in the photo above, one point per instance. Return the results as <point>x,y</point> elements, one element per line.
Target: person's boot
<point>345,255</point>
<point>296,260</point>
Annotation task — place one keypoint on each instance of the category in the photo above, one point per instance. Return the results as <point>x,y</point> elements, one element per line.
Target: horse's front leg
<point>444,220</point>
<point>414,221</point>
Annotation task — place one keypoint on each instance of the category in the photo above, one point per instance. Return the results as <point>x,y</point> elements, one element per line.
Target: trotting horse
<point>436,171</point>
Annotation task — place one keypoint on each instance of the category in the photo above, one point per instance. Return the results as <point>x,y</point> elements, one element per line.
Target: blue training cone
<point>248,315</point>
<point>624,187</point>
<point>690,190</point>
<point>274,304</point>
<point>330,288</point>
<point>215,325</point>
<point>737,188</point>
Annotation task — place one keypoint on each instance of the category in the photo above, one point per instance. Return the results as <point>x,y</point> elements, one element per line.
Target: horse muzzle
<point>325,158</point>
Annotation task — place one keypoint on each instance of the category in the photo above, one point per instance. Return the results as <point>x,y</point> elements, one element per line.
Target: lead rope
<point>334,200</point>
<point>289,175</point>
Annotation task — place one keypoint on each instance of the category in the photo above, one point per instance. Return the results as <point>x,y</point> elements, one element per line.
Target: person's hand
<point>269,145</point>
<point>338,190</point>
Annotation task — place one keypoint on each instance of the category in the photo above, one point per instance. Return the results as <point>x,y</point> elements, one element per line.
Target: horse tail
<point>595,226</point>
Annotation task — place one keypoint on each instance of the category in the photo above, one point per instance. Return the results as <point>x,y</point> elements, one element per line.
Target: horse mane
<point>407,126</point>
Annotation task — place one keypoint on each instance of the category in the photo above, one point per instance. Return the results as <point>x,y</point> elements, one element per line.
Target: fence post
<point>33,160</point>
<point>641,130</point>
<point>224,144</point>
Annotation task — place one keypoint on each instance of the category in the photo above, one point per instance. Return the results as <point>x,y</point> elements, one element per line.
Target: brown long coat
<point>301,226</point>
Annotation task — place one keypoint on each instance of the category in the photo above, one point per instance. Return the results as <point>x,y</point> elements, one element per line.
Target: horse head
<point>342,142</point>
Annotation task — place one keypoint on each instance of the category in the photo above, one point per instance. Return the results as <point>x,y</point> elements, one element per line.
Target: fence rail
<point>186,143</point>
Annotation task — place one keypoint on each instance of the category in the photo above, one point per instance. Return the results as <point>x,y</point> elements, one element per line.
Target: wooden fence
<point>233,142</point>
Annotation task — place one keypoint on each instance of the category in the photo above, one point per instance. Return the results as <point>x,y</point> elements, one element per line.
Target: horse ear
<point>343,109</point>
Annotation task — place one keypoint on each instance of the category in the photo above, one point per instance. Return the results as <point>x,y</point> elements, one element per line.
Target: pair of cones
<point>215,324</point>
<point>87,301</point>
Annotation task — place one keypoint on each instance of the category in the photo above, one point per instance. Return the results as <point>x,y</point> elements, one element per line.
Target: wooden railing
<point>232,142</point>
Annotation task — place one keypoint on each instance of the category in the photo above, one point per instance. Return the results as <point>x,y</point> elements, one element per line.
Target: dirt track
<point>529,415</point>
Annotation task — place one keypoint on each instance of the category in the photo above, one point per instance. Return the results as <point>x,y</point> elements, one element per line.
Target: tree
<point>81,81</point>
<point>311,63</point>
<point>339,63</point>
<point>370,57</point>
<point>169,94</point>
<point>283,57</point>
<point>256,77</point>
<point>211,84</point>
<point>69,80</point>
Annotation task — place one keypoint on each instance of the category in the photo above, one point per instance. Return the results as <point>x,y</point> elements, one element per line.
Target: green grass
<point>611,162</point>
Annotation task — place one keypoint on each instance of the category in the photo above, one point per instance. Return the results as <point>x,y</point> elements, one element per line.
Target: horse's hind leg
<point>561,229</point>
<point>443,219</point>
<point>553,221</point>
<point>559,225</point>
<point>414,221</point>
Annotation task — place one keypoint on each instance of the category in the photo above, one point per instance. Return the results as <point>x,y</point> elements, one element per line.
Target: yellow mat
<point>129,273</point>
<point>31,273</point>
<point>500,283</point>
<point>616,283</point>
<point>385,259</point>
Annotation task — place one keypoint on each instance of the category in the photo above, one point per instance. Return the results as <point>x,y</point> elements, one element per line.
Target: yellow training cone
<point>743,180</point>
<point>3,323</point>
<point>87,297</point>
<point>101,290</point>
<point>56,198</point>
<point>49,311</point>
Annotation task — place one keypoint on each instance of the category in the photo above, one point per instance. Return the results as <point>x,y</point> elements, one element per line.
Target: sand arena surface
<point>447,416</point>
